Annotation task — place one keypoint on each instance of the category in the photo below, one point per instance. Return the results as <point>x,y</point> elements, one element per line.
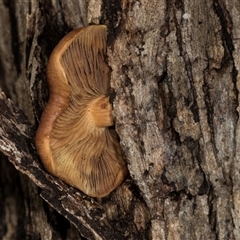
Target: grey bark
<point>175,72</point>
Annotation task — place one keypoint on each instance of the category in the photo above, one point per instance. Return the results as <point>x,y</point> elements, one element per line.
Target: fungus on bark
<point>73,139</point>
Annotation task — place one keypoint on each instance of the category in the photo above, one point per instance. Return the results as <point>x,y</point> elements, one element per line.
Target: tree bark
<point>175,76</point>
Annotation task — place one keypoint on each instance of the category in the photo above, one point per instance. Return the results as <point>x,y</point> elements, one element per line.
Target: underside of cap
<point>79,147</point>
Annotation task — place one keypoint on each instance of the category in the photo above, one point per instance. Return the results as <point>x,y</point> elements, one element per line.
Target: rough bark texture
<point>175,71</point>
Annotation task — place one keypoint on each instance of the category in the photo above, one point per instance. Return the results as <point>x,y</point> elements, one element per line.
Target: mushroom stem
<point>99,111</point>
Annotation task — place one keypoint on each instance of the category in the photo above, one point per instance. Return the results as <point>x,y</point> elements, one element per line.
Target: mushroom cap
<point>73,139</point>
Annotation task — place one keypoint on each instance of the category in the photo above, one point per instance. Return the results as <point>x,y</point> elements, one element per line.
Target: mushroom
<point>73,139</point>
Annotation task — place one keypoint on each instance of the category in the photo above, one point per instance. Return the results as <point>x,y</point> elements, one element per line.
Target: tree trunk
<point>175,75</point>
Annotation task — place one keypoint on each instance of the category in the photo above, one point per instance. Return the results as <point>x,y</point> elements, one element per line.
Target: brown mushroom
<point>73,139</point>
